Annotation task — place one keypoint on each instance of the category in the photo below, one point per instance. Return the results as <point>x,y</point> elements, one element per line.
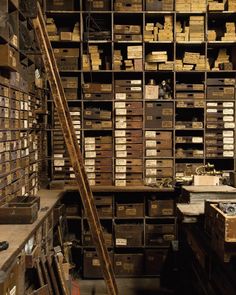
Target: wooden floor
<point>137,286</point>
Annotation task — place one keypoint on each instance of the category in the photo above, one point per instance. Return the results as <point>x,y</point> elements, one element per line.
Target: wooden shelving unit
<point>135,137</point>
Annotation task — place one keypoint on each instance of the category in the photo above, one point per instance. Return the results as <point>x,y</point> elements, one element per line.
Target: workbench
<point>17,235</point>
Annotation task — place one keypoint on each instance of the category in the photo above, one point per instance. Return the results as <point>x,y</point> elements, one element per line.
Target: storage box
<point>130,210</point>
<point>91,265</point>
<point>128,235</point>
<point>9,57</point>
<point>97,5</point>
<point>160,207</point>
<point>154,261</point>
<point>61,5</point>
<point>128,264</point>
<point>159,234</point>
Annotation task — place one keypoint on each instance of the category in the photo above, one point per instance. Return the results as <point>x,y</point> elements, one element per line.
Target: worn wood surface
<point>18,234</point>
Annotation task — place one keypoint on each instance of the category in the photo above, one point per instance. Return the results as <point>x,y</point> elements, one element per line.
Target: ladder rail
<point>74,151</point>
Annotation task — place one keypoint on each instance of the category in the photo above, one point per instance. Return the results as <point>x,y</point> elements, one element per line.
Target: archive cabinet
<point>138,229</point>
<point>152,96</point>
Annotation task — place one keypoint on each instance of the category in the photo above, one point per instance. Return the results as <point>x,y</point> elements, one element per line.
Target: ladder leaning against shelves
<point>73,150</point>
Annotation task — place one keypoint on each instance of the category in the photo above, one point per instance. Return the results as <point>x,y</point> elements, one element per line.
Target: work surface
<point>18,234</point>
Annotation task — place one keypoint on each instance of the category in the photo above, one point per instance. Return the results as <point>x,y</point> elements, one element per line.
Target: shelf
<point>114,189</point>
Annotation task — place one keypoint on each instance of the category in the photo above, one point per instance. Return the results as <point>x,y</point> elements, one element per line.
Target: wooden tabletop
<point>18,234</point>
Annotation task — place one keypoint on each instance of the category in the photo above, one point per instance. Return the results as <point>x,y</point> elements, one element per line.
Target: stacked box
<point>159,234</point>
<point>62,168</point>
<point>70,85</point>
<point>60,5</point>
<point>97,118</point>
<point>158,31</point>
<point>67,58</point>
<point>158,60</point>
<point>73,35</point>
<point>159,115</point>
<point>92,60</point>
<point>190,5</point>
<point>158,145</point>
<point>129,235</point>
<point>192,61</point>
<point>157,5</point>
<point>128,5</point>
<point>91,264</point>
<point>216,5</point>
<point>104,206</point>
<point>97,5</point>
<point>130,210</point>
<point>98,159</point>
<point>230,34</point>
<point>221,117</point>
<point>134,61</point>
<point>157,208</point>
<point>88,240</point>
<point>222,61</point>
<point>127,33</point>
<point>128,264</point>
<point>97,91</point>
<point>231,5</point>
<point>196,28</point>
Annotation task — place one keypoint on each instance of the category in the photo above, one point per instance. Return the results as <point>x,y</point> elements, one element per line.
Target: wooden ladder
<point>74,150</point>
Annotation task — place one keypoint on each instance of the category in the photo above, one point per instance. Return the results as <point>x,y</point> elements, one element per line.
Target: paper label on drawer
<point>120,169</point>
<point>120,176</point>
<point>228,111</point>
<point>90,162</point>
<point>90,154</point>
<point>197,139</point>
<point>229,125</point>
<point>151,163</point>
<point>151,153</point>
<point>25,124</point>
<point>151,143</point>
<point>228,147</point>
<point>150,134</point>
<point>121,242</point>
<point>228,104</point>
<point>135,88</point>
<point>121,154</point>
<point>120,133</point>
<point>59,163</point>
<point>121,162</point>
<point>151,172</point>
<point>89,147</point>
<point>120,105</point>
<point>211,110</point>
<point>23,190</point>
<point>228,154</point>
<point>91,175</point>
<point>136,82</point>
<point>120,140</point>
<point>72,175</point>
<point>121,96</point>
<point>228,118</point>
<point>13,291</point>
<point>120,147</point>
<point>58,155</point>
<point>228,140</point>
<point>121,111</point>
<point>71,169</point>
<point>120,182</point>
<point>149,180</point>
<point>89,140</point>
<point>89,169</point>
<point>95,262</point>
<point>212,104</point>
<point>228,133</point>
<point>121,119</point>
<point>91,181</point>
<point>121,125</point>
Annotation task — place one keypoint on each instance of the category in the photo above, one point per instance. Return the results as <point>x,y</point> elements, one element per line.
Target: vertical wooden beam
<point>74,151</point>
